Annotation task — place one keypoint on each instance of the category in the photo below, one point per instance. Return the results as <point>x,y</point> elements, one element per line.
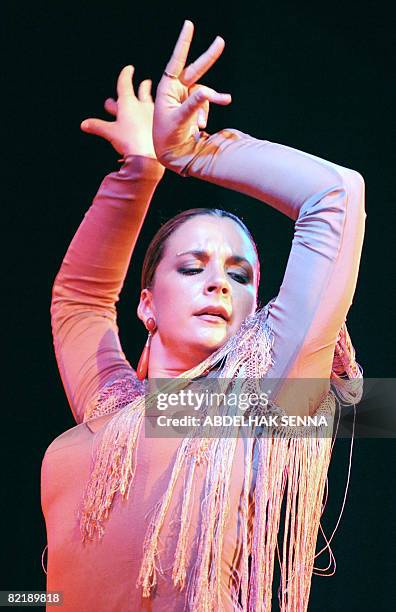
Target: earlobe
<point>145,308</point>
<point>142,368</point>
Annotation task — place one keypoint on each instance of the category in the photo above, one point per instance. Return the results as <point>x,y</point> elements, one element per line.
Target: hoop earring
<point>142,368</point>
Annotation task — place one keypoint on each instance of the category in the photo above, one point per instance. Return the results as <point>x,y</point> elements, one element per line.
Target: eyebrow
<point>200,254</point>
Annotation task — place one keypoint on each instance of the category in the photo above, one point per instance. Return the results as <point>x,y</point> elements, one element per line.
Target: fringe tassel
<point>347,374</point>
<point>268,500</point>
<point>147,576</point>
<point>286,463</point>
<point>243,584</point>
<point>304,462</point>
<point>179,573</point>
<point>204,590</point>
<point>116,460</point>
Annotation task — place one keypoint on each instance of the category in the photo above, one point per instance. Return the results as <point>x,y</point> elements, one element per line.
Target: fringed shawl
<point>291,473</point>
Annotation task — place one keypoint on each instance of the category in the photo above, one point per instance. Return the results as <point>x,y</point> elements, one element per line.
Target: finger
<point>97,127</point>
<point>182,47</point>
<point>124,82</point>
<point>203,111</point>
<point>111,106</point>
<point>203,117</point>
<point>198,99</point>
<point>194,71</point>
<point>144,91</point>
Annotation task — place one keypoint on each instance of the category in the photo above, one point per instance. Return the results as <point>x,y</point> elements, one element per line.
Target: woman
<point>177,520</point>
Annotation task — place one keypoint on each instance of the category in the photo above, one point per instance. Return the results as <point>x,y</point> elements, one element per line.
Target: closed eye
<point>239,278</point>
<point>190,271</point>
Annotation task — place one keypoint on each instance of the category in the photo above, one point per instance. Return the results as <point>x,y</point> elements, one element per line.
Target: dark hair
<point>156,247</point>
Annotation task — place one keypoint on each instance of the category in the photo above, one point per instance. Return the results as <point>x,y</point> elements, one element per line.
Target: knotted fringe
<point>293,463</point>
<point>148,571</point>
<point>204,587</point>
<point>115,461</point>
<point>283,458</point>
<point>204,591</point>
<point>346,374</point>
<point>305,462</point>
<point>113,471</point>
<point>243,582</point>
<point>179,573</point>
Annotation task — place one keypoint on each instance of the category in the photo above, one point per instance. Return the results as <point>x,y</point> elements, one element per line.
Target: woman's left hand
<point>182,105</point>
<point>131,132</point>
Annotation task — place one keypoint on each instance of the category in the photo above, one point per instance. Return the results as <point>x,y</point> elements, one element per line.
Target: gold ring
<point>171,76</point>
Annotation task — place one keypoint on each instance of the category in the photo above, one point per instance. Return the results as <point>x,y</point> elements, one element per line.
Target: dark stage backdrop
<point>312,76</point>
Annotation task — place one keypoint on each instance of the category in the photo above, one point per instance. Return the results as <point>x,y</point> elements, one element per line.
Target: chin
<point>208,345</point>
<point>202,340</point>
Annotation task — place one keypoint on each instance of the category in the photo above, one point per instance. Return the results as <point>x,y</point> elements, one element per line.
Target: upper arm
<point>89,282</point>
<point>326,201</point>
<point>88,350</point>
<point>319,281</point>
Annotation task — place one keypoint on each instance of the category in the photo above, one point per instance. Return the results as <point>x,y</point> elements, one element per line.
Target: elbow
<point>56,295</point>
<point>56,310</point>
<point>359,178</point>
<point>351,186</point>
<point>356,190</point>
<point>358,182</point>
<point>63,303</point>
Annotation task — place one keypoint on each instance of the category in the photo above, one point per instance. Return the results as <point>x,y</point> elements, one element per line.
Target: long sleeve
<point>326,202</point>
<point>88,284</point>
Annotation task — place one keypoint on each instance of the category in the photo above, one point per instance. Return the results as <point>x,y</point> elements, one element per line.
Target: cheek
<point>244,302</point>
<point>175,295</point>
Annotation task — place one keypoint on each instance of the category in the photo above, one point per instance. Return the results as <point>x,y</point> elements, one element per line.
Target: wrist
<point>139,152</point>
<point>143,165</point>
<point>133,147</point>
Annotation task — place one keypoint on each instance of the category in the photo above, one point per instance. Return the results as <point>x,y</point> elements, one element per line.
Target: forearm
<point>281,176</point>
<point>94,267</point>
<point>87,287</point>
<point>326,201</point>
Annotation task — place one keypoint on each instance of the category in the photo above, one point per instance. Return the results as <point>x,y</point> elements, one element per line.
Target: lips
<point>214,311</point>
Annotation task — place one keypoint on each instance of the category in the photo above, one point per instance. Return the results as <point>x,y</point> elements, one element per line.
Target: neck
<point>166,363</point>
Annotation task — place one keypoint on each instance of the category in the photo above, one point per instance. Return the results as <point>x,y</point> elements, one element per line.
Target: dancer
<point>167,524</point>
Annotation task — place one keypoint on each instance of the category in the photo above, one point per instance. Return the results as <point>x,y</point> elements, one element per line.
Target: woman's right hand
<point>182,105</point>
<point>131,132</point>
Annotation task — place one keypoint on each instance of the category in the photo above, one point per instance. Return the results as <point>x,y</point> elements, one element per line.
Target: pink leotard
<point>326,202</point>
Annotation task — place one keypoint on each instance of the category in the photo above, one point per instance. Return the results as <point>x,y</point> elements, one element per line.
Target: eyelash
<point>243,280</point>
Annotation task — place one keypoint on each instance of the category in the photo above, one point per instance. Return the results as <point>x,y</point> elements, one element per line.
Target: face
<point>204,287</point>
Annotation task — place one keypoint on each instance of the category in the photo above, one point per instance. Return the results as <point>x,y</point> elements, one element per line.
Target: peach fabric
<point>326,202</point>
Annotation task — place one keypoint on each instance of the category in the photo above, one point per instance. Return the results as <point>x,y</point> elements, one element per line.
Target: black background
<point>317,77</point>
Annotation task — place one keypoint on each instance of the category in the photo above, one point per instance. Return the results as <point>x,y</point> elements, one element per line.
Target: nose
<point>218,283</point>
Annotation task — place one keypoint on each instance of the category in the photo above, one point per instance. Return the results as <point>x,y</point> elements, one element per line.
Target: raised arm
<point>325,200</point>
<point>88,284</point>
